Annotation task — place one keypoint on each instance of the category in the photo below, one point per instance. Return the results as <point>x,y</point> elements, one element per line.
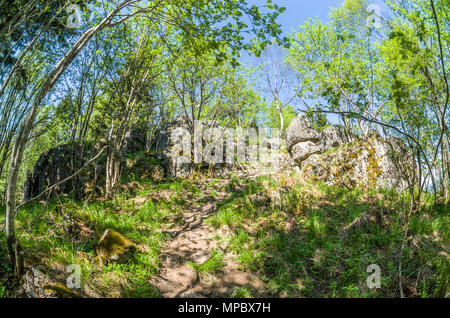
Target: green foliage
<point>181,59</point>
<point>273,118</point>
<point>211,266</point>
<point>317,119</point>
<point>141,224</point>
<point>336,63</point>
<point>242,292</point>
<point>300,250</point>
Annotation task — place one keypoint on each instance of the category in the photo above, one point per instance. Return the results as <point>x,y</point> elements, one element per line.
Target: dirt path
<point>194,241</point>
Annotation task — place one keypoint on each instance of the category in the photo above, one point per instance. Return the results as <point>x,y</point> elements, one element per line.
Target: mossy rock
<point>157,172</point>
<point>114,247</point>
<point>60,290</point>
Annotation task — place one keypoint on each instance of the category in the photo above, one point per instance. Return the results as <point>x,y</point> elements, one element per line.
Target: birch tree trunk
<point>280,113</point>
<point>25,129</point>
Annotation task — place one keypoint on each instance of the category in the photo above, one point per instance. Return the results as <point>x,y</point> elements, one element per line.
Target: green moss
<point>113,245</point>
<point>373,167</point>
<point>61,290</point>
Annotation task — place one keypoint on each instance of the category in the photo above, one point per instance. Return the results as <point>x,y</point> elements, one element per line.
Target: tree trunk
<point>280,114</point>
<point>445,172</point>
<point>21,139</point>
<point>113,168</point>
<point>11,188</point>
<point>149,134</point>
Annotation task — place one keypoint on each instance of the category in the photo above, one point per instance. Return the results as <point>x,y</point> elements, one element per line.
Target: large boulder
<point>300,130</point>
<point>334,136</point>
<point>53,166</point>
<point>303,140</point>
<point>336,158</point>
<point>303,150</point>
<point>166,139</point>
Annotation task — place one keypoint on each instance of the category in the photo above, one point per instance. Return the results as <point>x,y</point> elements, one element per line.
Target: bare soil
<point>194,241</point>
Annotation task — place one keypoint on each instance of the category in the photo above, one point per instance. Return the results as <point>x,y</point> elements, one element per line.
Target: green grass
<point>41,233</point>
<point>242,292</point>
<point>298,250</point>
<point>316,260</point>
<point>210,267</point>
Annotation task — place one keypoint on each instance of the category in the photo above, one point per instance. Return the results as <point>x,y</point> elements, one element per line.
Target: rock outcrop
<point>303,140</point>
<point>134,141</point>
<point>332,156</point>
<point>178,161</point>
<point>166,139</point>
<point>300,130</point>
<point>53,166</point>
<point>62,161</point>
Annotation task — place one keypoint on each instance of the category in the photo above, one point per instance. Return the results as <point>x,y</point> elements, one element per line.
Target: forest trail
<point>194,242</point>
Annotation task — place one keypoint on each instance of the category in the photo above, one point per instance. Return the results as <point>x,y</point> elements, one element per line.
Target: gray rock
<point>52,167</point>
<point>300,130</point>
<point>178,162</point>
<point>168,137</point>
<point>134,141</point>
<point>302,150</point>
<point>62,161</point>
<point>334,136</point>
<point>369,161</point>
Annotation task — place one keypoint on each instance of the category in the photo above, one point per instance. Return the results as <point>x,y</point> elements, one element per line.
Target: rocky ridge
<point>335,157</point>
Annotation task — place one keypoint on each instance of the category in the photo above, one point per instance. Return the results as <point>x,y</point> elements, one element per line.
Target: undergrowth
<point>318,241</point>
<point>306,246</point>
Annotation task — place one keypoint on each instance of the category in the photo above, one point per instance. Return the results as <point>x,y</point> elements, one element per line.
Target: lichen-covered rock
<point>63,161</point>
<point>176,162</point>
<point>370,161</point>
<point>363,163</point>
<point>334,136</point>
<point>303,140</point>
<point>36,284</point>
<point>175,146</point>
<point>114,247</point>
<point>51,167</point>
<point>302,150</point>
<point>61,291</point>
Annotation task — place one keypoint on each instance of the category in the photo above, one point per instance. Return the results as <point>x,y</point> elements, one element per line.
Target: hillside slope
<point>246,235</point>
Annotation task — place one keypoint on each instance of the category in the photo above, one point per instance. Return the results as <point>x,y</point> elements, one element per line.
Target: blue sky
<point>297,12</point>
